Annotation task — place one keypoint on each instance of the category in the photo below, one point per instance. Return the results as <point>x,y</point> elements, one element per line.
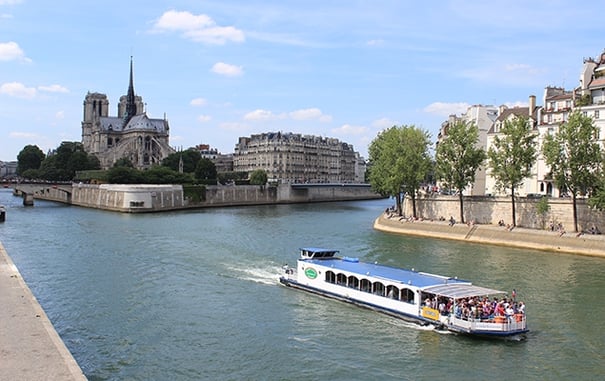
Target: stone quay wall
<point>156,198</point>
<point>490,210</point>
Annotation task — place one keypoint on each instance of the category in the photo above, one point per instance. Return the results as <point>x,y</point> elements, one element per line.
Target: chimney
<point>532,104</point>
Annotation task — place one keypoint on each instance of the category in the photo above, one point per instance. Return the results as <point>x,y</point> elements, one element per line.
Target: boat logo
<point>310,273</point>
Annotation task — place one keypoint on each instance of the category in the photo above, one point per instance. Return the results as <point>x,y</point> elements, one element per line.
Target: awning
<point>458,290</point>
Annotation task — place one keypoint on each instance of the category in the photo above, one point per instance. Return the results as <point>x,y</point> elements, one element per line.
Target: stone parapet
<point>490,210</point>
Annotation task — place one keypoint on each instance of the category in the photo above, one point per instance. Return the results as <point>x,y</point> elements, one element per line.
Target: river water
<point>194,296</point>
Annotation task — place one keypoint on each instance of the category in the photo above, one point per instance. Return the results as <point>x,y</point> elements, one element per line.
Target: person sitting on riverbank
<point>452,221</point>
<point>594,230</point>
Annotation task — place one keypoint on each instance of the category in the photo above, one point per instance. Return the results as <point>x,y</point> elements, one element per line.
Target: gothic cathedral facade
<point>131,135</point>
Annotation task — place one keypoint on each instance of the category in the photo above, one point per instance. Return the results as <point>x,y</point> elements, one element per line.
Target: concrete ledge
<point>30,348</point>
<point>585,244</point>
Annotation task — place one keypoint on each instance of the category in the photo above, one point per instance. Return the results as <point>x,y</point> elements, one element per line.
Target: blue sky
<point>223,69</point>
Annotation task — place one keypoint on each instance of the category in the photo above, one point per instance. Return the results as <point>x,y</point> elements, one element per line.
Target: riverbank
<point>31,348</point>
<point>584,244</point>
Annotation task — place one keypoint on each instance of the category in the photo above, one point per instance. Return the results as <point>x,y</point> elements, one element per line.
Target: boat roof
<point>436,284</point>
<point>394,274</point>
<point>458,291</point>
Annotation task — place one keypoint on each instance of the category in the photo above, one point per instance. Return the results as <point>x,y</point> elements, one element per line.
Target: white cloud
<point>10,51</point>
<point>53,89</point>
<point>60,115</point>
<point>198,102</point>
<point>375,43</point>
<point>516,104</point>
<point>24,135</point>
<point>310,113</point>
<point>233,126</point>
<point>383,123</point>
<point>446,109</point>
<point>347,129</point>
<point>198,28</point>
<point>17,90</point>
<point>260,114</point>
<point>216,35</point>
<point>227,69</point>
<point>204,118</point>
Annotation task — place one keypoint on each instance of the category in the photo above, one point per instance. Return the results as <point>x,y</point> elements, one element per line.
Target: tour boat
<point>446,303</point>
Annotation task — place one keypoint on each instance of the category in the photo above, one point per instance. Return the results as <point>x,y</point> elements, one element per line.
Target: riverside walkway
<point>572,243</point>
<point>30,348</point>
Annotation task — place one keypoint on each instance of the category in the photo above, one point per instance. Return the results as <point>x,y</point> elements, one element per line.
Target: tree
<point>597,198</point>
<point>205,169</point>
<point>258,177</point>
<point>512,156</point>
<point>64,161</point>
<point>30,157</point>
<point>542,208</point>
<point>190,158</point>
<point>123,162</point>
<point>399,162</point>
<point>458,158</point>
<point>574,157</point>
<point>124,175</point>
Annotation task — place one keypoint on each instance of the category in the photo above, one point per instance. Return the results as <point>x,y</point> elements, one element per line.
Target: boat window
<point>353,282</point>
<point>341,279</point>
<point>366,285</point>
<point>407,295</point>
<point>378,288</point>
<point>392,292</point>
<point>330,277</point>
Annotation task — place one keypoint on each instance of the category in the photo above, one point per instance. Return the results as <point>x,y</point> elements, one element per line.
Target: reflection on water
<point>194,295</point>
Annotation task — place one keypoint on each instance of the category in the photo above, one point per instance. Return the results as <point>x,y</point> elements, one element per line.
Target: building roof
<point>137,122</point>
<point>597,82</point>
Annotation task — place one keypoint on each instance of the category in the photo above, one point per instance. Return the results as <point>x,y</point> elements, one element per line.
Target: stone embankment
<point>584,244</point>
<point>30,347</point>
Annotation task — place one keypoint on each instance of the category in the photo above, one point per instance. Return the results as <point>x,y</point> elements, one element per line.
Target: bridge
<point>46,191</point>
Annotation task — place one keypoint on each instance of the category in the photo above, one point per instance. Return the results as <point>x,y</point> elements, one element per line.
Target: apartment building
<point>296,158</point>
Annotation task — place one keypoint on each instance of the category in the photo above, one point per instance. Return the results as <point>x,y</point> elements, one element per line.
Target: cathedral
<point>131,134</point>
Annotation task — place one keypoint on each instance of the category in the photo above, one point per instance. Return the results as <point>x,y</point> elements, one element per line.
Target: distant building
<point>131,134</point>
<point>483,117</point>
<point>8,169</point>
<point>206,152</point>
<point>506,114</point>
<point>223,163</point>
<point>296,158</point>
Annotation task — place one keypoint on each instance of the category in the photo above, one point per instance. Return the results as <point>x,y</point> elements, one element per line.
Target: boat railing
<point>511,323</point>
<point>288,272</point>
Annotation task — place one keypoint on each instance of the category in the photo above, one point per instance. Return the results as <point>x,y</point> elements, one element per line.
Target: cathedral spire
<point>131,106</point>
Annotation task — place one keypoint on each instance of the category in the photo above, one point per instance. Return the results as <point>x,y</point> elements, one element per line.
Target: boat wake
<point>267,275</point>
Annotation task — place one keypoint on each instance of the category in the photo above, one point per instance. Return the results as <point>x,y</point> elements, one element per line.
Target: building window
<point>596,114</point>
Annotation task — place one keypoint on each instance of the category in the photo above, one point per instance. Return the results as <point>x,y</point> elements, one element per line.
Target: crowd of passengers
<point>476,308</point>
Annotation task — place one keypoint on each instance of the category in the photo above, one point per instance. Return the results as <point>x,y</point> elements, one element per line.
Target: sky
<point>220,70</point>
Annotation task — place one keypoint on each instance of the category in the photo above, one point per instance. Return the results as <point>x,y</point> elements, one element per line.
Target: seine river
<point>194,296</point>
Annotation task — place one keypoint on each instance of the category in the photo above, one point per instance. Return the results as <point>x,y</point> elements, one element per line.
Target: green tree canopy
<point>574,156</point>
<point>68,158</point>
<point>458,157</point>
<point>258,177</point>
<point>124,175</point>
<point>205,170</point>
<point>123,162</point>
<point>30,157</point>
<point>190,157</point>
<point>512,156</point>
<point>399,162</point>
